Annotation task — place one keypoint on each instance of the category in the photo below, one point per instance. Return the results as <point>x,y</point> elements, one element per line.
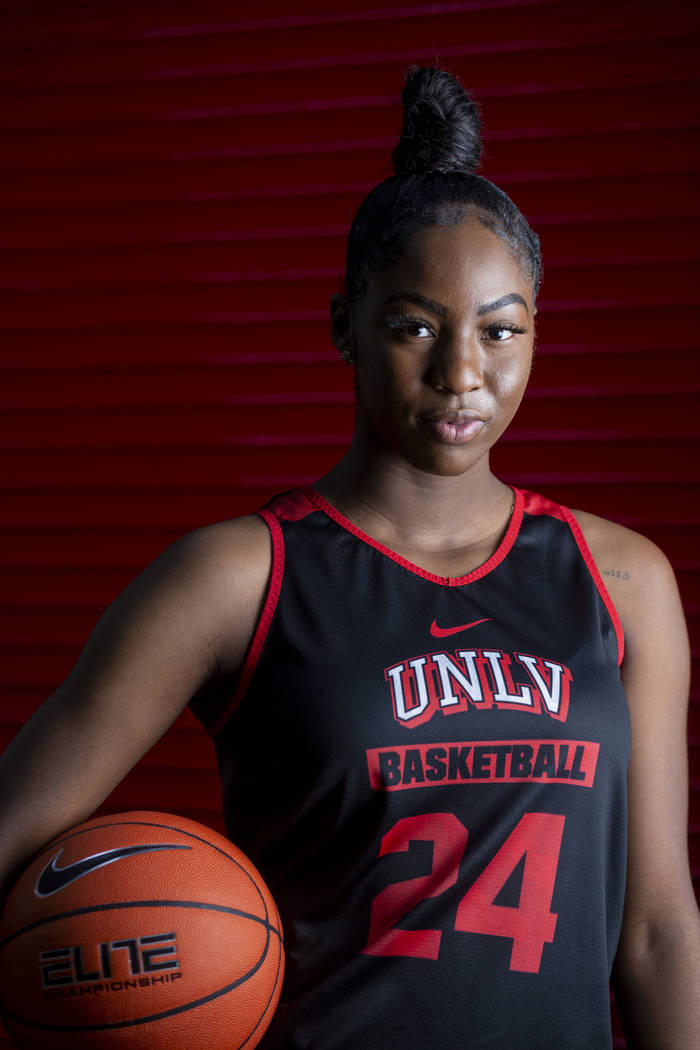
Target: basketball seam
<point>168,827</point>
<point>131,1023</point>
<point>113,906</point>
<point>271,1000</point>
<point>146,824</point>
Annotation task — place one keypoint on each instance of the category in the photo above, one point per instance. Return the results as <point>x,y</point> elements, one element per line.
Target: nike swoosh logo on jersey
<point>445,632</point>
<point>52,878</point>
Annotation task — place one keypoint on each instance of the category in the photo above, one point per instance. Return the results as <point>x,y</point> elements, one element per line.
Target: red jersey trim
<point>255,649</point>
<point>536,504</point>
<point>446,581</point>
<point>290,506</point>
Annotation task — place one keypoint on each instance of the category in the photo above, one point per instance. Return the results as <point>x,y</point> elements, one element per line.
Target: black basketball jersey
<point>430,774</point>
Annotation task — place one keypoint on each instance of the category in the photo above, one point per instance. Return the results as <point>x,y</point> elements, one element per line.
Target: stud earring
<point>348,356</point>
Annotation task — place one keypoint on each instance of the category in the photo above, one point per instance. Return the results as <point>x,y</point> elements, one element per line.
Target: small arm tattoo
<point>619,574</point>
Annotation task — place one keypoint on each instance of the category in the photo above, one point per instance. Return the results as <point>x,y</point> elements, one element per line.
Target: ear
<point>341,328</point>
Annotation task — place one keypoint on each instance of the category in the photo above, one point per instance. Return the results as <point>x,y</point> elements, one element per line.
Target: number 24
<point>530,925</point>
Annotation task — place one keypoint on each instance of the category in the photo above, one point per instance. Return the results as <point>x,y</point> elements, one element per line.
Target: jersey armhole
<point>263,625</point>
<point>598,580</point>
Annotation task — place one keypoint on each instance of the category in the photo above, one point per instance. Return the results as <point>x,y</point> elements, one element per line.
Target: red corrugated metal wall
<point>175,186</point>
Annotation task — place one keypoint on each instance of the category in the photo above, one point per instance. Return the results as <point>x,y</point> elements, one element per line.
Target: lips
<point>454,427</point>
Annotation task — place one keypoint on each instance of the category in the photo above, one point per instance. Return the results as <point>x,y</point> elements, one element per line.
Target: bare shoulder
<point>239,545</point>
<point>617,544</point>
<point>186,619</point>
<point>224,570</point>
<point>636,573</point>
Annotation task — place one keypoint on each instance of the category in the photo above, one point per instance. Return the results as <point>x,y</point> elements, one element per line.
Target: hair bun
<point>441,125</point>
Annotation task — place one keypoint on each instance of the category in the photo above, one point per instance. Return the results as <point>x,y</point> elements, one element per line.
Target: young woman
<point>456,757</point>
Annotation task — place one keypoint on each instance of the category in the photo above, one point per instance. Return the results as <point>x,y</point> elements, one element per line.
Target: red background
<point>176,183</point>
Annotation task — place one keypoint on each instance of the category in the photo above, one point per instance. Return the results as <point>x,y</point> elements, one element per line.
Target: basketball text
<point>130,956</point>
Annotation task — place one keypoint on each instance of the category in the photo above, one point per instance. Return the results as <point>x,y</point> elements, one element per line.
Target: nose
<point>456,364</point>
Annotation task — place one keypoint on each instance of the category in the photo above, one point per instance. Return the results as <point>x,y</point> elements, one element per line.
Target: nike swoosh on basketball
<point>445,632</point>
<point>52,878</point>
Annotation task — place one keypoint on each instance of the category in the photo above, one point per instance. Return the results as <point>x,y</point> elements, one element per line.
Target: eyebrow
<point>419,300</point>
<point>437,308</point>
<point>498,304</point>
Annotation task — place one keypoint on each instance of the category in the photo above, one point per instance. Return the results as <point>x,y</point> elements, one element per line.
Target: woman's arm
<point>657,969</point>
<point>188,618</point>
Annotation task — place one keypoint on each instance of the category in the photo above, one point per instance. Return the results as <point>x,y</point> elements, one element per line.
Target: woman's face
<point>443,341</point>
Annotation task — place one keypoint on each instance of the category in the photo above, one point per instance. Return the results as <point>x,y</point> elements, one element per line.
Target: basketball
<point>140,930</point>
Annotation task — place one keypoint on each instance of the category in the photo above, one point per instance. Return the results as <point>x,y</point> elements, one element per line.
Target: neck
<point>404,507</point>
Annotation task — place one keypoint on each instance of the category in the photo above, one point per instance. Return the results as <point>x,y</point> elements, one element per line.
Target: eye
<point>502,333</point>
<point>413,327</point>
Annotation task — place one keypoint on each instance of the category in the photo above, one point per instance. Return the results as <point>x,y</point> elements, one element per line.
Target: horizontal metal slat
<point>396,40</point>
<point>72,589</point>
<point>244,257</point>
<point>40,670</point>
<point>101,469</point>
<point>320,133</point>
<point>575,334</point>
<point>611,457</point>
<point>249,10</point>
<point>663,153</point>
<point>187,101</point>
<point>185,387</point>
<point>171,345</point>
<point>87,549</point>
<point>183,468</point>
<point>186,107</point>
<point>30,628</point>
<point>689,587</point>
<point>110,26</point>
<point>521,82</point>
<point>214,305</point>
<point>176,12</point>
<point>203,222</point>
<point>245,262</point>
<point>678,544</point>
<point>569,205</point>
<point>594,288</point>
<point>331,413</point>
<point>579,328</point>
<point>606,370</point>
<point>140,428</point>
<point>551,359</point>
<point>181,510</point>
